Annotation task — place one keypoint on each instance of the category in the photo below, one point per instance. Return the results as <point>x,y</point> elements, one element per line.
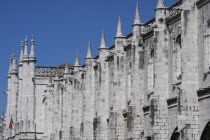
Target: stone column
<point>158,104</point>
<point>103,97</point>
<point>8,112</point>
<point>88,100</point>
<point>120,103</point>
<point>188,114</point>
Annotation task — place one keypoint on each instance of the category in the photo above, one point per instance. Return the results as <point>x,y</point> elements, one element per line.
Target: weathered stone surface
<point>151,84</point>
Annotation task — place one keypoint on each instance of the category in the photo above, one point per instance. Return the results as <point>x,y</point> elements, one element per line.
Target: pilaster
<point>188,115</point>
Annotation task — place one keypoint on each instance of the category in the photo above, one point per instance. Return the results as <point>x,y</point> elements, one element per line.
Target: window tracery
<point>206,50</point>
<point>176,58</point>
<point>151,53</point>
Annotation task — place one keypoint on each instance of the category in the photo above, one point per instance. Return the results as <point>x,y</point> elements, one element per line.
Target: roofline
<point>127,36</point>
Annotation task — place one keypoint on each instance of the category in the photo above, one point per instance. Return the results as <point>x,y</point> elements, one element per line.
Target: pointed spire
<point>137,16</point>
<point>119,28</point>
<point>25,55</point>
<point>32,54</point>
<point>89,52</point>
<point>14,64</point>
<point>21,51</point>
<point>10,64</point>
<point>103,41</point>
<point>66,67</point>
<point>160,4</point>
<point>77,63</point>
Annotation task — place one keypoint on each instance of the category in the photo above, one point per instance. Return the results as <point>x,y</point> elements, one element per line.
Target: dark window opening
<point>152,53</point>
<point>206,132</point>
<point>175,135</point>
<point>208,23</point>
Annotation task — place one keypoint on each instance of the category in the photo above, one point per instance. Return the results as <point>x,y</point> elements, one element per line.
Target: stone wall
<point>151,84</point>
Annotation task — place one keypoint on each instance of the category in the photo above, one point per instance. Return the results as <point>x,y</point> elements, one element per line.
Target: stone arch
<point>206,132</point>
<point>175,135</point>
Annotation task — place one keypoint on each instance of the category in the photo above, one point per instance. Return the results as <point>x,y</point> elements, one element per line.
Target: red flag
<point>11,123</point>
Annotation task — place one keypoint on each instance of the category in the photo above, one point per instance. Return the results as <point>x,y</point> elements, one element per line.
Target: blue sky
<point>62,27</point>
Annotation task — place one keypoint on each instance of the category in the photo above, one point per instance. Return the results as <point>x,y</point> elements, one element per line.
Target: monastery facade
<point>152,84</point>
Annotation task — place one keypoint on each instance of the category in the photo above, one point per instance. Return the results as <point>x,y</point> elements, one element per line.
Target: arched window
<point>208,23</point>
<point>175,135</point>
<point>176,53</point>
<point>206,132</point>
<point>150,67</point>
<point>206,50</point>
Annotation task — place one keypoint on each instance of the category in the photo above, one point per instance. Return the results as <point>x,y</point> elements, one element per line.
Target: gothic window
<point>113,124</point>
<point>60,134</point>
<point>96,87</point>
<point>176,58</point>
<point>130,120</point>
<point>206,50</point>
<point>113,119</point>
<point>96,122</point>
<point>111,84</point>
<point>175,135</point>
<point>71,131</point>
<point>208,23</point>
<point>206,41</point>
<point>151,53</point>
<point>141,60</point>
<point>81,129</point>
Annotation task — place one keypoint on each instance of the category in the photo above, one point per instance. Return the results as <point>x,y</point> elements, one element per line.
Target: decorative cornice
<point>171,20</point>
<point>174,13</point>
<point>148,35</point>
<point>127,48</point>
<point>201,3</point>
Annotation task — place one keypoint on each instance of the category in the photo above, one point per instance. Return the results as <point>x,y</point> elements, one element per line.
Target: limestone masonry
<point>153,84</point>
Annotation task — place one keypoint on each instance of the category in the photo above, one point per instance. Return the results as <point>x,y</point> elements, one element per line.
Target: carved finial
<point>26,39</point>
<point>14,65</point>
<point>137,15</point>
<point>77,62</point>
<point>160,4</point>
<point>119,28</point>
<point>32,54</point>
<point>32,40</point>
<point>89,52</point>
<point>103,41</point>
<point>22,44</point>
<point>10,63</point>
<point>66,67</point>
<point>21,50</point>
<point>25,55</point>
